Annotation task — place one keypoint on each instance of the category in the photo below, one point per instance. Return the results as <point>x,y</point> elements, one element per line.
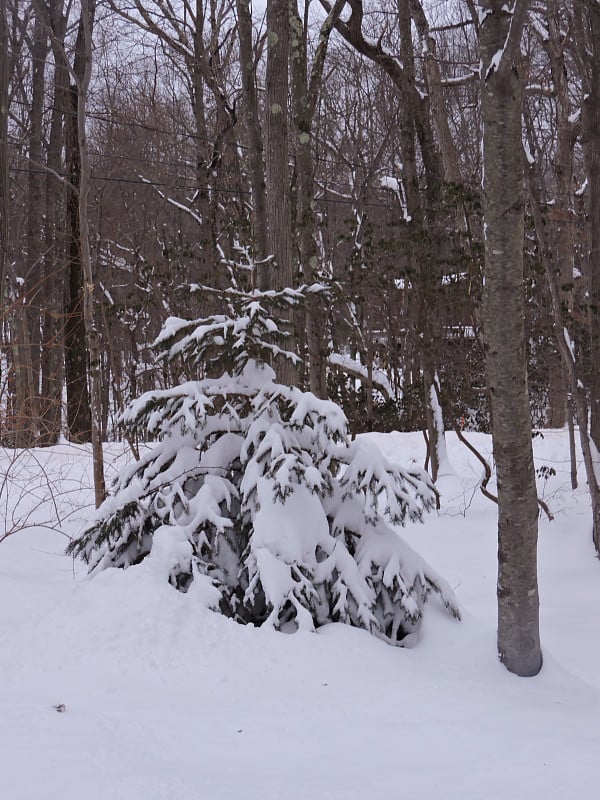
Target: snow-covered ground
<point>164,699</point>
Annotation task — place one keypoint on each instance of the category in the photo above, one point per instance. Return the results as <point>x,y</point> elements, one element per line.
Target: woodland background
<point>360,170</point>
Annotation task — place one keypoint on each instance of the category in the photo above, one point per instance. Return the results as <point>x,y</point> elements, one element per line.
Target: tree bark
<point>35,291</point>
<point>305,95</point>
<point>433,79</point>
<point>53,321</point>
<point>591,148</point>
<point>4,194</point>
<point>251,118</point>
<point>78,399</point>
<point>278,178</point>
<point>4,186</point>
<point>504,335</point>
<point>83,76</point>
<point>277,166</point>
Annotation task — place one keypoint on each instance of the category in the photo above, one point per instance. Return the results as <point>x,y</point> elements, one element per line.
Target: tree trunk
<point>277,172</point>
<point>278,179</point>
<point>251,118</point>
<point>4,195</point>
<point>591,147</point>
<point>305,96</point>
<point>83,73</point>
<point>78,399</point>
<point>504,336</point>
<point>53,325</point>
<point>433,78</point>
<point>207,270</point>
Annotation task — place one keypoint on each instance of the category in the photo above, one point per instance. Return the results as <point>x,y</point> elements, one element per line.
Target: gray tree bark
<point>277,155</point>
<point>251,120</point>
<point>4,195</point>
<point>52,366</point>
<point>504,335</point>
<point>591,147</point>
<point>306,88</point>
<point>88,12</point>
<point>35,291</point>
<point>278,176</point>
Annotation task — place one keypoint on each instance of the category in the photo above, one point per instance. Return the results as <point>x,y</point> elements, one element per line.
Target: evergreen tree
<point>255,489</point>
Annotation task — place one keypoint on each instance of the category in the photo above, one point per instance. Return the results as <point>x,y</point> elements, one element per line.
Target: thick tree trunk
<point>305,94</point>
<point>503,317</point>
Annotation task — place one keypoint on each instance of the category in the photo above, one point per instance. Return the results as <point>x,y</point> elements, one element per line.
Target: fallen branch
<point>488,472</point>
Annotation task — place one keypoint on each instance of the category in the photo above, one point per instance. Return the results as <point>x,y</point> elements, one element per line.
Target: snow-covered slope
<point>163,699</point>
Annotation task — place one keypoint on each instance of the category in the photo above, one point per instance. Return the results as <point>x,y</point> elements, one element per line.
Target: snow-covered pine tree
<point>255,489</point>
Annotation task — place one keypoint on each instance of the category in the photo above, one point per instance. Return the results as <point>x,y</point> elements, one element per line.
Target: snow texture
<point>121,688</point>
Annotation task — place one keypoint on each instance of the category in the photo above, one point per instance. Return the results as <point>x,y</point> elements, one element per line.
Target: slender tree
<point>277,152</point>
<point>591,145</point>
<point>83,77</point>
<point>254,143</point>
<point>4,195</point>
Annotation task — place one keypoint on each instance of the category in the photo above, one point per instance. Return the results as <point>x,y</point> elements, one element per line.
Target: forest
<point>369,182</point>
<point>394,205</point>
<point>300,334</point>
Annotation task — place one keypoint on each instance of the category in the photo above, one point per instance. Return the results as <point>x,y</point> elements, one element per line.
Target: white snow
<point>528,155</point>
<point>354,367</point>
<point>166,699</point>
<point>444,466</point>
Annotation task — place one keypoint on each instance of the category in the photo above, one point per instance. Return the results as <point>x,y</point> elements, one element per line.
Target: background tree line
<point>335,143</point>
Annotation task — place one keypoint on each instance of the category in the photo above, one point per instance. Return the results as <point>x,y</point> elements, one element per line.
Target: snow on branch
<point>358,370</point>
<point>254,493</point>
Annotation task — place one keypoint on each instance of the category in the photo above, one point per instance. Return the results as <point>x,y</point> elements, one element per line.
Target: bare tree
<point>591,145</point>
<point>82,73</point>
<point>277,153</point>
<point>306,85</point>
<point>254,143</point>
